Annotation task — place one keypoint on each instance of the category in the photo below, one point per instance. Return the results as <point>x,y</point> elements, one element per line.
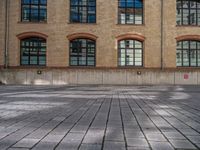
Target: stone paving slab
<point>99,117</point>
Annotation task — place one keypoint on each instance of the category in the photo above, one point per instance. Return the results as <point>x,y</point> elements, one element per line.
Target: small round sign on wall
<point>186,76</point>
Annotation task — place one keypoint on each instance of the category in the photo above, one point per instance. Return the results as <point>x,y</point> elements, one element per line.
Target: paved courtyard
<point>99,117</point>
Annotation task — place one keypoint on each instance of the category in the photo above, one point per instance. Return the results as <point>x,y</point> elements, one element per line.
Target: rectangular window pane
<point>185,16</point>
<point>193,59</point>
<point>42,60</point>
<point>139,63</point>
<point>25,13</point>
<point>33,60</point>
<point>34,13</point>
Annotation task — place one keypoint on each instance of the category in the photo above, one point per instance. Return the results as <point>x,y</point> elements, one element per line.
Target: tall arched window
<point>130,12</point>
<point>188,53</point>
<point>33,10</point>
<point>130,53</point>
<point>82,52</point>
<point>83,11</point>
<point>33,51</point>
<point>188,12</point>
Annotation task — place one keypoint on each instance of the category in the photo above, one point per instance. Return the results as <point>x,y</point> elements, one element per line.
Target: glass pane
<point>25,1</point>
<point>186,16</point>
<point>42,60</point>
<point>44,2</point>
<point>35,1</point>
<point>129,43</point>
<point>122,3</point>
<point>34,13</point>
<point>179,45</point>
<point>185,58</point>
<point>185,44</point>
<point>25,13</point>
<point>92,2</point>
<point>185,3</point>
<point>179,58</point>
<point>193,45</point>
<point>193,59</point>
<point>122,44</point>
<point>178,16</point>
<point>138,63</point>
<point>138,44</point>
<point>33,60</point>
<point>74,2</point>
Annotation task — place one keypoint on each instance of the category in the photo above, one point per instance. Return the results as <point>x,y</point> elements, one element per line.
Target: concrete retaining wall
<point>98,76</point>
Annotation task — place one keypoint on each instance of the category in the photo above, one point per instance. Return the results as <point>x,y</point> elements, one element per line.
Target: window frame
<point>82,6</point>
<point>189,49</point>
<point>143,14</point>
<point>38,50</point>
<point>181,8</point>
<point>119,53</point>
<point>30,20</point>
<point>82,38</point>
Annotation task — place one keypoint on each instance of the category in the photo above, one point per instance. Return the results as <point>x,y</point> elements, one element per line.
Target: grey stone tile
<point>138,148</point>
<point>133,133</point>
<point>161,145</point>
<point>194,139</point>
<point>182,144</point>
<point>90,147</point>
<point>137,142</point>
<point>114,145</point>
<point>156,137</point>
<point>174,135</point>
<point>45,146</point>
<point>26,143</point>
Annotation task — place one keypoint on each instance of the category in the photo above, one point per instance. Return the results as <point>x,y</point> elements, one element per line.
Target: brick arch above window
<point>31,34</point>
<point>188,37</point>
<point>82,35</point>
<point>138,37</point>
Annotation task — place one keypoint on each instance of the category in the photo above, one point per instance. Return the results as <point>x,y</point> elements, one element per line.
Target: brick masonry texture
<point>106,30</point>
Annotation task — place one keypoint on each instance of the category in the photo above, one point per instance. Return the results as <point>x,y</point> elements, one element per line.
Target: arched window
<point>188,12</point>
<point>33,10</point>
<point>130,53</point>
<point>82,52</point>
<point>130,12</point>
<point>83,11</point>
<point>33,51</point>
<point>188,53</point>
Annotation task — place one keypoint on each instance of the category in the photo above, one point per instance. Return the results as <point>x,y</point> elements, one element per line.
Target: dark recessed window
<point>188,54</point>
<point>82,52</point>
<point>188,12</point>
<point>33,51</point>
<point>130,12</point>
<point>130,53</point>
<point>34,10</point>
<point>83,11</point>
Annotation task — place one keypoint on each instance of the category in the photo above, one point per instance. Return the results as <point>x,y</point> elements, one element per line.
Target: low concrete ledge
<point>99,76</point>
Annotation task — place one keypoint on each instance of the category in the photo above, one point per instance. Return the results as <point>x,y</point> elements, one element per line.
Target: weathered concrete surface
<point>98,77</point>
<point>99,117</point>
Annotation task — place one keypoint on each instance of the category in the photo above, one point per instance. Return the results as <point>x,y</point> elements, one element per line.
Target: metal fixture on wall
<point>162,34</point>
<point>7,2</point>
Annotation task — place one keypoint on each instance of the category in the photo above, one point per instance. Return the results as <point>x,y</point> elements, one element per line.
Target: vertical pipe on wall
<point>162,34</point>
<point>6,38</point>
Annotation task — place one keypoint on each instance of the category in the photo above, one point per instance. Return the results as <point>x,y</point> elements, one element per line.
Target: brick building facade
<point>100,41</point>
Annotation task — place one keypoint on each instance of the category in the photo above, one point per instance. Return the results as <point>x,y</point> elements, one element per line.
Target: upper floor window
<point>130,12</point>
<point>34,10</point>
<point>188,54</point>
<point>82,52</point>
<point>188,12</point>
<point>83,11</point>
<point>33,51</point>
<point>130,53</point>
